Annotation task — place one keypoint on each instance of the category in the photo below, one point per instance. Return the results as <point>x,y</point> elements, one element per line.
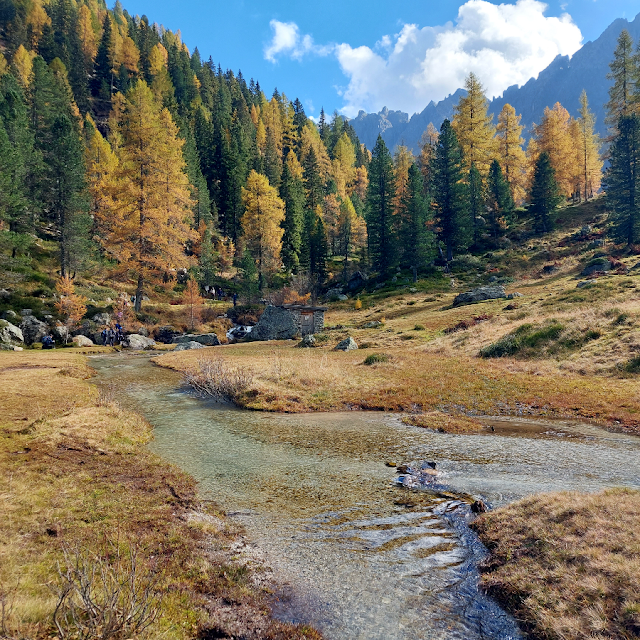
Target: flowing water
<point>362,557</point>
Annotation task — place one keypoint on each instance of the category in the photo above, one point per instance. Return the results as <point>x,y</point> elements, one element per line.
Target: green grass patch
<point>376,358</point>
<point>526,338</point>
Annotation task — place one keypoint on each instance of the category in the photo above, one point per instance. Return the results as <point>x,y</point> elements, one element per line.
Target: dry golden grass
<point>73,473</point>
<point>568,564</point>
<point>289,379</point>
<point>444,422</point>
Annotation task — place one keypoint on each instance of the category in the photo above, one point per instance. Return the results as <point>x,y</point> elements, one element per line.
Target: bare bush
<point>109,596</point>
<point>213,378</point>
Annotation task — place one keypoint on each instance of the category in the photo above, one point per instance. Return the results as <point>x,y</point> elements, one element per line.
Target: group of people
<point>112,336</point>
<point>218,293</point>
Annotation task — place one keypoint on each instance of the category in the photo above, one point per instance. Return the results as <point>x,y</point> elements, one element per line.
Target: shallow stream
<point>364,559</point>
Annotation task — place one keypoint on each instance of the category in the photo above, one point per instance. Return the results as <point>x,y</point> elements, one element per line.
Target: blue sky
<point>361,54</point>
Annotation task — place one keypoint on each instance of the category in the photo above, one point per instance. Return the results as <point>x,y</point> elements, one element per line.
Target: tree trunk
<point>138,303</point>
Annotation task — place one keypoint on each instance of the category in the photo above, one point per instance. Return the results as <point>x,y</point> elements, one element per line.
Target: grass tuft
<point>376,358</point>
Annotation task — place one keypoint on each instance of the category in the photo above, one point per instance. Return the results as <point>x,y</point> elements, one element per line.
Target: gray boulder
<point>480,294</point>
<point>275,324</point>
<point>584,283</point>
<point>138,342</point>
<point>357,281</point>
<point>348,344</point>
<point>373,324</point>
<point>33,330</point>
<point>26,312</point>
<point>595,266</point>
<point>10,334</point>
<point>9,347</point>
<point>10,315</point>
<point>102,318</point>
<point>60,333</point>
<point>188,346</point>
<point>4,294</point>
<point>143,331</point>
<point>205,339</point>
<point>515,294</point>
<point>307,342</point>
<point>82,341</point>
<point>166,334</point>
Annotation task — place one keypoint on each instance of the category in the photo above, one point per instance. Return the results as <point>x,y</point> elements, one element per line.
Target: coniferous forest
<point>132,151</point>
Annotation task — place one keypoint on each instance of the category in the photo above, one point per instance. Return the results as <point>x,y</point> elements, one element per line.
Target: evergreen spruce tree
<point>499,199</point>
<point>20,163</point>
<point>623,180</point>
<point>319,250</point>
<point>545,194</point>
<point>415,237</point>
<point>102,79</point>
<point>449,193</point>
<point>292,194</point>
<point>623,73</point>
<point>380,210</point>
<point>475,191</point>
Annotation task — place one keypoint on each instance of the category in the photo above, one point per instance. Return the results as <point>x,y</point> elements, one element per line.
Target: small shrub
<point>213,378</point>
<point>632,366</point>
<point>405,336</point>
<point>358,304</point>
<point>376,358</point>
<point>411,303</point>
<point>419,327</point>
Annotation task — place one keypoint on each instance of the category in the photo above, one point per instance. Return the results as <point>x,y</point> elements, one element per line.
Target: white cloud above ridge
<point>502,44</point>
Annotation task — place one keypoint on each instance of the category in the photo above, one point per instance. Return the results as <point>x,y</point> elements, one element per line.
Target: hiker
<point>111,336</point>
<point>48,342</point>
<point>103,335</point>
<point>235,299</point>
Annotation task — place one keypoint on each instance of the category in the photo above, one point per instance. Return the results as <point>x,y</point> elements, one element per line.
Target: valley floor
<point>84,503</point>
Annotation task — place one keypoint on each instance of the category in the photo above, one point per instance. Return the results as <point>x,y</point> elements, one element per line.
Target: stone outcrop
<point>166,334</point>
<point>307,342</point>
<point>138,342</point>
<point>33,330</point>
<point>348,344</point>
<point>480,294</point>
<point>10,334</point>
<point>596,266</point>
<point>82,341</point>
<point>188,346</point>
<point>275,323</point>
<point>205,339</point>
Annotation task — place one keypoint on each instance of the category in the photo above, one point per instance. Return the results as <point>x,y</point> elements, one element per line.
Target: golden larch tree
<point>192,299</point>
<point>511,155</point>
<point>361,183</point>
<point>474,127</point>
<point>261,224</point>
<point>87,34</point>
<point>148,223</point>
<point>102,170</point>
<point>554,135</point>
<point>310,139</point>
<point>589,178</point>
<point>70,305</point>
<point>343,165</point>
<point>23,65</point>
<point>402,161</point>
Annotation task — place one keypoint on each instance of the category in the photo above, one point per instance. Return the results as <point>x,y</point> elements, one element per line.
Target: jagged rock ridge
<point>562,81</point>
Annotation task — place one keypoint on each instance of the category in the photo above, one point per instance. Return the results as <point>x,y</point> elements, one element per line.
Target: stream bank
<point>361,560</point>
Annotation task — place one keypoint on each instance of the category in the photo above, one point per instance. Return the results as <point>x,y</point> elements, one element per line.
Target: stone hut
<point>289,321</point>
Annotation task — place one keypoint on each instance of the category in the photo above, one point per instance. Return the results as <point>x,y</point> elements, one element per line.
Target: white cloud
<point>502,44</point>
<point>288,41</point>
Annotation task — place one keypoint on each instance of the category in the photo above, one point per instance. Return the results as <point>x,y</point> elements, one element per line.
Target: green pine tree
<point>102,79</point>
<point>449,193</point>
<point>292,193</point>
<point>499,200</point>
<point>545,194</point>
<point>380,210</point>
<point>623,180</point>
<point>475,189</point>
<point>416,238</point>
